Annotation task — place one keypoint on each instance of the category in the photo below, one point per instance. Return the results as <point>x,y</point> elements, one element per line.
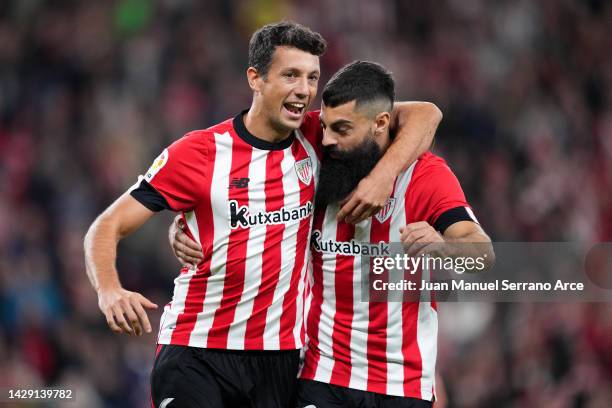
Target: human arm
<point>414,124</point>
<point>119,220</point>
<point>461,239</point>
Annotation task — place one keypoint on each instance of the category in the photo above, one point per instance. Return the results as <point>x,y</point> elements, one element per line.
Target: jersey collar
<point>256,142</point>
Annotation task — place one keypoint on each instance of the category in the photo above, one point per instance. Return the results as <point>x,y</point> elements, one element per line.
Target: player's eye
<point>313,77</point>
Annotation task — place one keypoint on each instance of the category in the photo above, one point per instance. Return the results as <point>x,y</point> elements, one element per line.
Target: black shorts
<point>323,395</point>
<point>190,377</point>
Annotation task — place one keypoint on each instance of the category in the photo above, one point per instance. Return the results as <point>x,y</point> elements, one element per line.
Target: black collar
<point>256,142</point>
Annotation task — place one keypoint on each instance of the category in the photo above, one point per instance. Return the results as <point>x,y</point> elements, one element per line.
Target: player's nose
<point>301,88</point>
<point>328,139</point>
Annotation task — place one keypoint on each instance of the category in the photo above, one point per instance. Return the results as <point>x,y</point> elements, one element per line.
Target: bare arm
<point>415,124</point>
<point>119,220</point>
<point>463,238</point>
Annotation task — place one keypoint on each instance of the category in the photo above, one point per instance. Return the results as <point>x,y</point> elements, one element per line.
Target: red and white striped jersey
<point>383,347</point>
<point>249,204</point>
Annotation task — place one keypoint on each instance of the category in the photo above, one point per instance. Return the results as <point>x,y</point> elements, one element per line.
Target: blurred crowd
<point>91,91</point>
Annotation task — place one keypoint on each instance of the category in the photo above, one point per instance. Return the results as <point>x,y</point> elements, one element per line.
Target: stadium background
<point>91,91</point>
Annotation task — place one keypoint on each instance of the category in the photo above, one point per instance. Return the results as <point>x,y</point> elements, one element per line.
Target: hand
<point>421,238</point>
<point>186,250</point>
<point>117,304</point>
<point>366,200</point>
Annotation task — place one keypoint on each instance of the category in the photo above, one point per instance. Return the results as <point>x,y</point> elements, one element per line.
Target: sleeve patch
<point>157,165</point>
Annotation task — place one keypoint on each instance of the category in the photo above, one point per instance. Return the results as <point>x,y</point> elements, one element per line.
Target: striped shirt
<point>249,204</point>
<point>383,347</point>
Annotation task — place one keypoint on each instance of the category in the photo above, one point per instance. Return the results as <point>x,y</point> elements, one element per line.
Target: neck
<point>258,125</point>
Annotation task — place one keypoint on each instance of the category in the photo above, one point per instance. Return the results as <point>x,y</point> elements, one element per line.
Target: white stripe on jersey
<point>255,246</point>
<point>303,302</point>
<point>291,188</point>
<point>214,288</point>
<point>395,357</point>
<point>328,307</point>
<point>427,333</point>
<point>361,318</point>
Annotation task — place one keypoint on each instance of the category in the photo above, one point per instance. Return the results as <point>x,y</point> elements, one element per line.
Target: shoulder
<point>431,173</point>
<point>200,138</point>
<point>428,162</point>
<point>311,122</point>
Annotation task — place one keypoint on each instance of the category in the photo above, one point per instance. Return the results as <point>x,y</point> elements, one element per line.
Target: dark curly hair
<point>265,40</point>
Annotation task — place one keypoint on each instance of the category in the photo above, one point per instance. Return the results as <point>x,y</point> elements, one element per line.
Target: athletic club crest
<point>303,169</point>
<point>385,212</point>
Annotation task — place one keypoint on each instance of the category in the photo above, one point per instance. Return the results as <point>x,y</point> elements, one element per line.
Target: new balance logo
<point>165,402</point>
<point>242,182</point>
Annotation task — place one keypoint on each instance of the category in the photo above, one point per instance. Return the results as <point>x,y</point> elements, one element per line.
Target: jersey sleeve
<point>172,180</point>
<point>312,131</point>
<point>435,195</point>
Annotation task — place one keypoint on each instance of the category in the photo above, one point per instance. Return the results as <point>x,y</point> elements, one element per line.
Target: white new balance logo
<point>165,402</point>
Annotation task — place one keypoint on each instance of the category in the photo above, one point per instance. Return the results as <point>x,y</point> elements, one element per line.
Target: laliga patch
<point>303,169</point>
<point>157,165</point>
<point>385,212</point>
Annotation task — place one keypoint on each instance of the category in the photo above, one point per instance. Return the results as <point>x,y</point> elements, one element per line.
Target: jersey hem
<point>230,346</point>
<point>425,394</point>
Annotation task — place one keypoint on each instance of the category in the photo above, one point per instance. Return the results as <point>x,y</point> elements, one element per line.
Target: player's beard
<point>340,175</point>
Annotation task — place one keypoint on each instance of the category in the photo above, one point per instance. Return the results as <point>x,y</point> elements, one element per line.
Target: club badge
<point>385,212</point>
<point>303,169</point>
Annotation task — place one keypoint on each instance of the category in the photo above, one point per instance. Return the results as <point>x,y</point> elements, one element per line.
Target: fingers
<point>143,319</point>
<point>415,226</point>
<point>356,216</point>
<point>146,302</point>
<point>117,312</point>
<point>417,236</point>
<point>356,210</point>
<point>180,222</point>
<point>126,313</point>
<point>132,317</point>
<point>110,320</point>
<point>347,208</point>
<point>187,245</point>
<point>186,254</point>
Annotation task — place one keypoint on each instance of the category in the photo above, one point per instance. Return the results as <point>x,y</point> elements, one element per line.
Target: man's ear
<point>382,123</point>
<point>255,80</point>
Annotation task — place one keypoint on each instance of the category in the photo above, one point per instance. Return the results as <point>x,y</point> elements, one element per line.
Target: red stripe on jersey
<point>196,291</point>
<point>271,257</point>
<point>343,318</point>
<point>377,326</point>
<point>287,322</point>
<point>413,365</point>
<point>236,252</point>
<point>314,314</point>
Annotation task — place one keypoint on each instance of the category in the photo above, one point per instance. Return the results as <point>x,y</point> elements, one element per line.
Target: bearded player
<point>374,354</point>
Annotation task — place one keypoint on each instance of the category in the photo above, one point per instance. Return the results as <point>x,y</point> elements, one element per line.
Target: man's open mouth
<point>295,107</point>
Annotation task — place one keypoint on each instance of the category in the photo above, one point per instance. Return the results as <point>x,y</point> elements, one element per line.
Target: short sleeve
<point>435,195</point>
<point>178,173</point>
<point>312,131</point>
